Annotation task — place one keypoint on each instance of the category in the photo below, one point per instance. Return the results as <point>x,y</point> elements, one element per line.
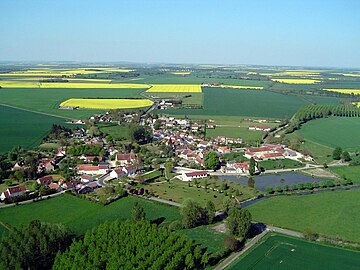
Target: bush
<point>176,226</point>
<point>231,243</point>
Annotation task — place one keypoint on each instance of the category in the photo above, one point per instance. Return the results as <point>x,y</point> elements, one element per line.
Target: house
<point>223,149</point>
<point>125,159</point>
<point>46,165</point>
<point>117,173</point>
<point>90,169</point>
<point>55,187</point>
<point>69,184</point>
<point>260,128</point>
<point>85,178</point>
<point>194,175</point>
<point>211,126</point>
<point>61,152</point>
<point>13,192</point>
<point>46,180</point>
<point>129,170</point>
<point>88,188</point>
<point>242,167</point>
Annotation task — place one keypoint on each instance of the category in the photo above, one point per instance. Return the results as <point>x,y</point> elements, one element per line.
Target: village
<point>179,140</point>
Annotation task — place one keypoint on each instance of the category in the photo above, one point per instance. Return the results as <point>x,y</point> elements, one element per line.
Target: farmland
<point>284,252</point>
<point>241,87</point>
<point>177,88</point>
<point>329,213</point>
<point>23,128</point>
<point>80,215</point>
<point>83,84</point>
<point>107,103</point>
<point>344,91</point>
<point>322,131</point>
<point>348,172</point>
<point>48,100</point>
<point>297,81</point>
<point>230,102</point>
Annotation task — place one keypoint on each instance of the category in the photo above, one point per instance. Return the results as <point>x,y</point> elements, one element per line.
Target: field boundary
<point>27,110</point>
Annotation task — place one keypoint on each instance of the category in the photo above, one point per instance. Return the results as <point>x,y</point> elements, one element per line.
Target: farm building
<point>194,175</point>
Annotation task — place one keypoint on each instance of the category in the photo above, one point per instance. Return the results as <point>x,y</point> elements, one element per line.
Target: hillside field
<point>329,213</point>
<point>23,128</point>
<point>333,132</point>
<point>283,252</point>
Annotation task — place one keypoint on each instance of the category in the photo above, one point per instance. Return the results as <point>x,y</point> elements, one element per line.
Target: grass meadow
<point>330,213</point>
<point>283,252</point>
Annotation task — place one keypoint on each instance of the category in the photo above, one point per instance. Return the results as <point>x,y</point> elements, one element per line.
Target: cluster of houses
<point>272,151</point>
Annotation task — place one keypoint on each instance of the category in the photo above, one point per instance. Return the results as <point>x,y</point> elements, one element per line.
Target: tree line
<point>315,111</point>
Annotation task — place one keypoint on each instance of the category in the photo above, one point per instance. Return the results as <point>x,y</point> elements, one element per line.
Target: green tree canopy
<point>33,246</point>
<point>211,161</point>
<point>238,222</point>
<point>130,245</point>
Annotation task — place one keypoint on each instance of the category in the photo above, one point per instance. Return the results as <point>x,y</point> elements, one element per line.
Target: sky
<point>319,33</point>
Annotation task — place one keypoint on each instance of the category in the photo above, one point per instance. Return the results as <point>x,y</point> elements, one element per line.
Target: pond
<point>272,180</point>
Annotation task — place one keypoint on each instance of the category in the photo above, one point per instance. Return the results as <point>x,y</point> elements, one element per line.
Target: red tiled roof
<point>12,190</point>
<point>198,173</point>
<point>86,167</point>
<point>46,179</point>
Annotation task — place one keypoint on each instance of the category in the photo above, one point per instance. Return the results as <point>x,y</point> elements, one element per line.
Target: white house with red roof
<point>117,173</point>
<point>90,169</point>
<point>13,192</point>
<point>125,159</point>
<point>189,176</point>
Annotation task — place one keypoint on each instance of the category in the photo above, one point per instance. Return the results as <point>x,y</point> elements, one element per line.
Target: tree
<point>231,243</point>
<point>192,214</point>
<point>211,161</point>
<point>139,134</point>
<point>251,182</point>
<point>345,156</point>
<point>238,222</point>
<point>138,212</point>
<point>269,190</point>
<point>168,169</point>
<point>131,245</point>
<point>210,212</point>
<point>337,153</point>
<point>33,246</point>
<point>252,166</point>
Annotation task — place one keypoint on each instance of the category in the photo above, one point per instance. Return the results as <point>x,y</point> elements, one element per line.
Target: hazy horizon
<point>262,33</point>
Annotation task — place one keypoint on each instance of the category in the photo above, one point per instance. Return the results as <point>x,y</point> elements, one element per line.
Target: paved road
<point>165,201</point>
<point>236,255</point>
<point>285,231</point>
<point>103,178</point>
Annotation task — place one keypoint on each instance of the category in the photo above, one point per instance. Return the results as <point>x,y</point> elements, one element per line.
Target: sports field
<point>328,131</point>
<point>227,102</point>
<point>80,215</point>
<point>284,252</point>
<point>18,127</point>
<point>328,213</point>
<point>177,88</point>
<point>94,103</point>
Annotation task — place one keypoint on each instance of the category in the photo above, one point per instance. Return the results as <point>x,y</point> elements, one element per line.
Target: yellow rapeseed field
<point>296,81</point>
<point>107,103</point>
<point>181,88</point>
<point>27,84</point>
<point>344,91</point>
<point>241,87</point>
<point>180,73</point>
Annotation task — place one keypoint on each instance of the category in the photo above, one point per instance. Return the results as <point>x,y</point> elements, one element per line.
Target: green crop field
<point>284,252</point>
<point>80,215</point>
<point>333,132</point>
<point>328,213</point>
<point>348,172</point>
<point>221,101</point>
<point>18,127</point>
<point>48,100</point>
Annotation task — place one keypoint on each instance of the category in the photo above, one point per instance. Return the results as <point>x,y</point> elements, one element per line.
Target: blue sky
<point>301,33</point>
